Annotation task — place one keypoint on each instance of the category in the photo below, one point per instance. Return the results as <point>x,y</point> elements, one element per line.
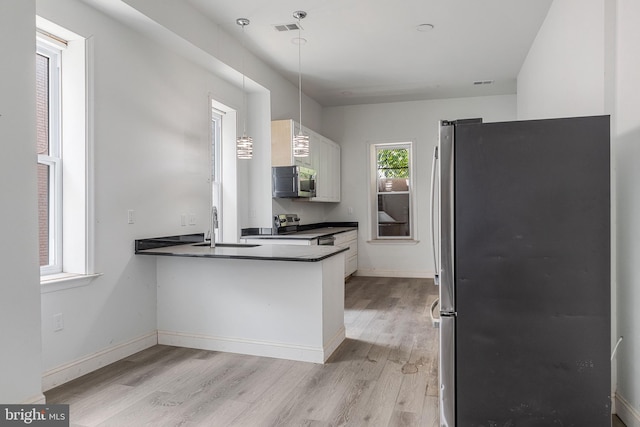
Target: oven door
<point>306,182</point>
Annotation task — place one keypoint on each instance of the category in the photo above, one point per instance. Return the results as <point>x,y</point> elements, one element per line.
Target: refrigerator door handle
<point>434,242</point>
<point>445,218</point>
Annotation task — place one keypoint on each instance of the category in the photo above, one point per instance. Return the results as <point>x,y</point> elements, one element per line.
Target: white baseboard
<point>394,273</point>
<point>629,415</point>
<point>70,371</point>
<point>252,347</point>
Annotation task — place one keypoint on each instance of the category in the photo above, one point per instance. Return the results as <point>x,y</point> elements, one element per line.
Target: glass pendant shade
<point>244,147</point>
<point>301,145</point>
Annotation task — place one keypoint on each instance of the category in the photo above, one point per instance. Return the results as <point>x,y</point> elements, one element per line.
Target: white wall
<point>152,78</point>
<point>563,74</point>
<point>355,127</point>
<point>309,212</point>
<point>627,175</point>
<point>258,195</point>
<point>20,364</point>
<point>188,24</point>
<point>600,78</point>
<point>151,137</point>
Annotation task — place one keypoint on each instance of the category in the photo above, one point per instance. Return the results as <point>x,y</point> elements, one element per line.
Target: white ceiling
<point>369,51</point>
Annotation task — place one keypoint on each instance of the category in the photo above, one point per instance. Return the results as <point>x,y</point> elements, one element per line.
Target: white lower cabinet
<point>349,239</point>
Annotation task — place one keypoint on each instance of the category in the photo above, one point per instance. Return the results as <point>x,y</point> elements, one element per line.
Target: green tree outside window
<point>393,163</point>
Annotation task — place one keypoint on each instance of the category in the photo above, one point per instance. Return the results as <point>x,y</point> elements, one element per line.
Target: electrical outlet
<point>183,220</point>
<point>192,219</point>
<point>58,322</point>
<point>349,211</point>
<point>131,216</point>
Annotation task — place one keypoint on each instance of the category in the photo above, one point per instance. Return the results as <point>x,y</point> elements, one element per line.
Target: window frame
<point>375,193</point>
<point>76,133</point>
<point>50,48</point>
<point>217,120</point>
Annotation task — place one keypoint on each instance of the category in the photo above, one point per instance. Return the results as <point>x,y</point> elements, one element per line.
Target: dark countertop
<point>304,232</point>
<point>303,235</point>
<point>191,246</point>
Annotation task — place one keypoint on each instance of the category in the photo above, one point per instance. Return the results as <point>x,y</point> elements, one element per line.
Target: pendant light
<point>300,141</point>
<point>244,143</point>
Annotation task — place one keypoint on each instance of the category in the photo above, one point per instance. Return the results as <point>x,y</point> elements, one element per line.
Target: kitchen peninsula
<point>278,301</point>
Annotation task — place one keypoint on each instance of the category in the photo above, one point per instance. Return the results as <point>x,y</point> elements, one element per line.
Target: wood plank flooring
<point>384,374</point>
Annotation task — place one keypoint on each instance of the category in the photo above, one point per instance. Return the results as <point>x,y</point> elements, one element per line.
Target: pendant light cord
<point>244,95</point>
<point>300,74</point>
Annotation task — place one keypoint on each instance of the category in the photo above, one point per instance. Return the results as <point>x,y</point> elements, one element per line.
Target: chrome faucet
<point>214,225</point>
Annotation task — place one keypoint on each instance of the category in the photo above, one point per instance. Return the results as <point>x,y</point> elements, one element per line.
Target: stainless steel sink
<point>228,245</point>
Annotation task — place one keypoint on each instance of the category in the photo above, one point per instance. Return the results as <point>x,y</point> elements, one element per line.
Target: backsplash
<point>309,212</point>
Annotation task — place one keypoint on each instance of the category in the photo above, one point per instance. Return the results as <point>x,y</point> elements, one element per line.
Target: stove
<point>285,223</point>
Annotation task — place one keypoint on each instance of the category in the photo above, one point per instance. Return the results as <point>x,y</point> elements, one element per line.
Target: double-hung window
<point>392,185</point>
<point>64,163</point>
<point>49,156</point>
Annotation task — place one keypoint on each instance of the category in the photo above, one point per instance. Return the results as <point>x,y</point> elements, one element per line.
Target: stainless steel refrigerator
<point>523,265</point>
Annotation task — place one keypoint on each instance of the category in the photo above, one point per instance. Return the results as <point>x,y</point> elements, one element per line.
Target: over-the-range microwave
<point>292,182</point>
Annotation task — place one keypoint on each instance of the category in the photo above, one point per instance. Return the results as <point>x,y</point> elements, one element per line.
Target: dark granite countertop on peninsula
<point>191,245</point>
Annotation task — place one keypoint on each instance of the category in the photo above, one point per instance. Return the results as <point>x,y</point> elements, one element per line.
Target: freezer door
<point>447,372</point>
<point>445,157</point>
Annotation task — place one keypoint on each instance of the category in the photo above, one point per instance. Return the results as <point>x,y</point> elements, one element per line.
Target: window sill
<point>62,281</point>
<point>394,241</point>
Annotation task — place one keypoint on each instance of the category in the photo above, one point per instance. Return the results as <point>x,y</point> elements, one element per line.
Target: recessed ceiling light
<point>423,28</point>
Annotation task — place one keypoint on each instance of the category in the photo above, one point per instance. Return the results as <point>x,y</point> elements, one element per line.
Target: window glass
<point>393,204</point>
<point>42,103</point>
<point>43,213</point>
<point>49,161</point>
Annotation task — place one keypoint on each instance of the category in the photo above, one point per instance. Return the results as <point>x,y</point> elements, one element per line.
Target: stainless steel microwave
<point>293,182</point>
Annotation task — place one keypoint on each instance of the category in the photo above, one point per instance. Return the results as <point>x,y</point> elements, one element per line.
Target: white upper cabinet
<point>326,162</point>
<point>324,157</point>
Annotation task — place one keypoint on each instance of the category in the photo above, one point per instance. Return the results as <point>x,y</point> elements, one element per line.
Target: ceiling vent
<point>287,27</point>
<point>483,82</point>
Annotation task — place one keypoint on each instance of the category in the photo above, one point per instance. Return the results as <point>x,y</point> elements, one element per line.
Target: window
<point>393,191</point>
<point>49,157</point>
<point>64,145</point>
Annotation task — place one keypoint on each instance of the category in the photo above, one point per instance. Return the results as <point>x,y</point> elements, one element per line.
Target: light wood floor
<point>384,374</point>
